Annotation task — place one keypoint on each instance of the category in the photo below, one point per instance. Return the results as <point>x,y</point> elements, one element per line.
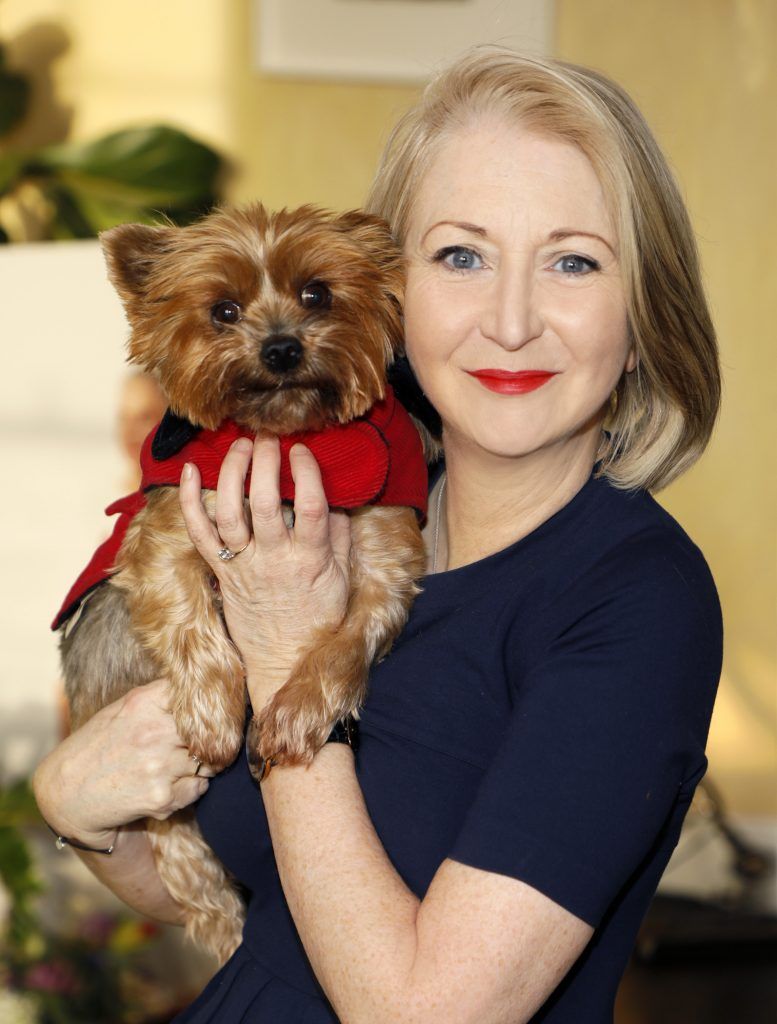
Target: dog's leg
<point>329,681</point>
<point>102,658</point>
<point>174,612</point>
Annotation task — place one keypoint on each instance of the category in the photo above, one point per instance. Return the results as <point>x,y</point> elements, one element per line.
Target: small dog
<point>252,322</point>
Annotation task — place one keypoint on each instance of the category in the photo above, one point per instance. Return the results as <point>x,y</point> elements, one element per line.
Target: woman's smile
<point>514,289</point>
<point>504,382</point>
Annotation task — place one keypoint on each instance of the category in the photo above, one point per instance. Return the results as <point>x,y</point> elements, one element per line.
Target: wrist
<point>77,834</point>
<point>344,734</point>
<point>331,761</point>
<point>263,681</point>
<point>98,844</point>
<point>51,789</point>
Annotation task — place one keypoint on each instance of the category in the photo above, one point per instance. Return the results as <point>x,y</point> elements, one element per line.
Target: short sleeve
<point>607,730</point>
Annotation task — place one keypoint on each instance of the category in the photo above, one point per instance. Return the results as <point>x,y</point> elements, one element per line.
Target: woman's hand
<point>284,582</point>
<point>127,762</point>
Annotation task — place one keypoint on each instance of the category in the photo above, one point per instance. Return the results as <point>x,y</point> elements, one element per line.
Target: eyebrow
<point>464,225</point>
<point>562,233</point>
<point>555,236</point>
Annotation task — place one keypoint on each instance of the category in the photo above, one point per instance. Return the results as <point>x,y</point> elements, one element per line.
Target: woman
<point>531,745</point>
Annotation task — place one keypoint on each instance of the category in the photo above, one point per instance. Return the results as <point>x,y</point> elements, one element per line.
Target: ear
<point>632,356</point>
<point>130,252</point>
<point>371,231</point>
<point>375,237</point>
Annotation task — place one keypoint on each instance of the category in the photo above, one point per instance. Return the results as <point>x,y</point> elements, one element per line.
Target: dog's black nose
<point>281,353</point>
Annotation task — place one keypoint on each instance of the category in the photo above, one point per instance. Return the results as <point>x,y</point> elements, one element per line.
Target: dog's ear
<point>371,231</point>
<point>130,252</point>
<point>374,235</point>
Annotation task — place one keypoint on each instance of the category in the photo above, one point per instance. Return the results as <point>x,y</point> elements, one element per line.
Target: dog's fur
<point>159,614</point>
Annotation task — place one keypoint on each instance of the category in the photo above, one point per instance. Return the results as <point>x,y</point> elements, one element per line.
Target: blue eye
<point>459,257</point>
<point>573,264</point>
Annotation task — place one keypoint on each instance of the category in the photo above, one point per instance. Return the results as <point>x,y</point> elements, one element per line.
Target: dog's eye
<point>226,312</point>
<point>315,295</point>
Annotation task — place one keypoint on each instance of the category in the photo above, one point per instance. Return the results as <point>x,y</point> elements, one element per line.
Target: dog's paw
<point>297,721</point>
<point>290,736</point>
<point>215,743</point>
<point>264,736</point>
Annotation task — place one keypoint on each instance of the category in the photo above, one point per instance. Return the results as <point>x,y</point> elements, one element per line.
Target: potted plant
<point>75,190</point>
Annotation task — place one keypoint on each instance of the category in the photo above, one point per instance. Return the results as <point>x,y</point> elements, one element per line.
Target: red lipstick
<point>506,383</point>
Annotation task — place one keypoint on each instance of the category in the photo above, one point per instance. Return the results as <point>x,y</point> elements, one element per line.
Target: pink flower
<point>56,976</point>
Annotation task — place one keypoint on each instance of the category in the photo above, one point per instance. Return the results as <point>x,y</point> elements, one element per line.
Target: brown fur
<point>159,613</point>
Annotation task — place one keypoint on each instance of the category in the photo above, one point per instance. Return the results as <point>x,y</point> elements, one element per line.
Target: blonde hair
<point>662,413</point>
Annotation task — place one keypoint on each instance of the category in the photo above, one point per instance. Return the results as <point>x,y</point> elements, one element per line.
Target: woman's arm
<point>479,947</point>
<point>125,764</point>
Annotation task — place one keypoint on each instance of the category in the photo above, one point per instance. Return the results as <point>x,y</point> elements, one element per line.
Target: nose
<point>281,352</point>
<point>512,317</point>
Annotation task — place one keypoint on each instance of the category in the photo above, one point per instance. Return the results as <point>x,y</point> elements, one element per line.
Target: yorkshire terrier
<point>251,321</point>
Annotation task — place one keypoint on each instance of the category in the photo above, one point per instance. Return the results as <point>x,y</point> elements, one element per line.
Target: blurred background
<point>113,111</point>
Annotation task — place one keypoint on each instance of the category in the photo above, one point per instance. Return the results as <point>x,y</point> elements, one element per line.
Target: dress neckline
<point>580,506</point>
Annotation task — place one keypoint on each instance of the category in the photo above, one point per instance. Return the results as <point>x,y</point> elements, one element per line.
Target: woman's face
<point>515,317</point>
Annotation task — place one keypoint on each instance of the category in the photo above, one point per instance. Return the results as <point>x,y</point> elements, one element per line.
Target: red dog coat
<point>375,460</point>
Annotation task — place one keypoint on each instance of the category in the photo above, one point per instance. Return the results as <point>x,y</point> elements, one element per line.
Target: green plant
<point>75,190</point>
<point>17,872</point>
<point>96,972</point>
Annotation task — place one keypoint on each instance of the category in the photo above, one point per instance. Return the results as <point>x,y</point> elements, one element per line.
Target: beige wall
<point>704,73</point>
<point>290,142</point>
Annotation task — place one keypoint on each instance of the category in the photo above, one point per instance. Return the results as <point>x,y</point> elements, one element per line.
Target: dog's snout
<point>281,353</point>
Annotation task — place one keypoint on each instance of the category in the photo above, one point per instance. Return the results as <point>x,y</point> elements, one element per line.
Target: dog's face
<point>281,322</point>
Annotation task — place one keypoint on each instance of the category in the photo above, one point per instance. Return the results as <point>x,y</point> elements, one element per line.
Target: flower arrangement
<point>98,972</point>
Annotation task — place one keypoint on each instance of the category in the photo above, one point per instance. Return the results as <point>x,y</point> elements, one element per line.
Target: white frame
<point>389,40</point>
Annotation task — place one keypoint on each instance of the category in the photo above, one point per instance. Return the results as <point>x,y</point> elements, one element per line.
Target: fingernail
<point>242,445</point>
<point>186,473</point>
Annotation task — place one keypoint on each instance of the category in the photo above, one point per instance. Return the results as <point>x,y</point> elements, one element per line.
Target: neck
<point>491,501</point>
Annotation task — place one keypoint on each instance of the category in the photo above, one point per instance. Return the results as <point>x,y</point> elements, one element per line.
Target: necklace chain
<point>437,516</point>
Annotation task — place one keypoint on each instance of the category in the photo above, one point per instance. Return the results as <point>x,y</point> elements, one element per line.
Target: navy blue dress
<point>544,716</point>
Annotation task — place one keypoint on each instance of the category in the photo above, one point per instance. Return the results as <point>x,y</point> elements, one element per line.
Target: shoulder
<point>613,562</point>
<point>632,554</point>
<point>633,622</point>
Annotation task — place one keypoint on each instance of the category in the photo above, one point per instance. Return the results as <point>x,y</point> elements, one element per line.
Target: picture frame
<point>399,41</point>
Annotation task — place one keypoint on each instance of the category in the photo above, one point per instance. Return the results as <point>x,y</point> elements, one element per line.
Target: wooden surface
<point>713,993</point>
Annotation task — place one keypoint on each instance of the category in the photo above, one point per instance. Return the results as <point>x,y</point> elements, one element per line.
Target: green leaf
<point>12,166</point>
<point>18,876</point>
<point>68,220</point>
<point>135,175</point>
<point>17,804</point>
<point>153,167</point>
